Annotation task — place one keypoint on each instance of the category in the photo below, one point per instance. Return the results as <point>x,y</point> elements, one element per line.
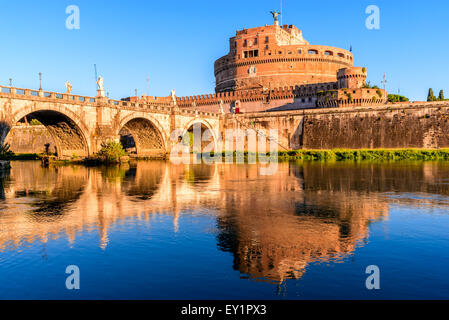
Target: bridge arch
<point>69,132</point>
<point>205,125</point>
<point>143,134</point>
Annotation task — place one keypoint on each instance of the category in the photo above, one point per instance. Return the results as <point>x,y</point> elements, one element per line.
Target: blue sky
<point>175,43</point>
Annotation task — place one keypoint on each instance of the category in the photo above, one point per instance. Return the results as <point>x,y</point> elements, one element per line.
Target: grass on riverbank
<point>316,155</point>
<point>367,155</point>
<point>359,155</point>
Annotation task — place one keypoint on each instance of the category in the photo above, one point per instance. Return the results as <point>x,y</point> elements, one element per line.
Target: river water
<point>155,230</point>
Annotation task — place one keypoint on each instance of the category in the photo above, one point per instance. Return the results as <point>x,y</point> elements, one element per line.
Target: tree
<point>35,122</point>
<point>397,98</point>
<point>430,95</point>
<point>441,95</point>
<point>111,151</point>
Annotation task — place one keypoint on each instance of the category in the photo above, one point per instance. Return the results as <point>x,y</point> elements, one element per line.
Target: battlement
<point>351,97</point>
<point>262,95</point>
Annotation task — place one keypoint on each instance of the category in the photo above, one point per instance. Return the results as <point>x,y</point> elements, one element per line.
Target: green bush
<point>5,152</point>
<point>111,151</point>
<point>35,122</point>
<point>397,98</point>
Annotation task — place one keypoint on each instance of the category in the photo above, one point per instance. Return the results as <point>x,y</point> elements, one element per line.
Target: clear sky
<point>175,43</point>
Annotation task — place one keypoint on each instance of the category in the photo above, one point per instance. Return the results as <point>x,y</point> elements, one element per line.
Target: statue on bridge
<point>220,107</point>
<point>100,91</point>
<point>68,85</point>
<point>173,97</point>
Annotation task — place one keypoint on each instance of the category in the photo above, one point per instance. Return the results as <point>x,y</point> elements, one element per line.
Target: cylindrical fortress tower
<point>351,78</point>
<point>277,56</point>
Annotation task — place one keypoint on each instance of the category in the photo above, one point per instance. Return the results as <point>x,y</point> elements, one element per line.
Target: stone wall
<point>424,125</point>
<point>30,139</point>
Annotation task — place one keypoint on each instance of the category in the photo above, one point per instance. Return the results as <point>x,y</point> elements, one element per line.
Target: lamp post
<point>40,81</point>
<point>10,82</point>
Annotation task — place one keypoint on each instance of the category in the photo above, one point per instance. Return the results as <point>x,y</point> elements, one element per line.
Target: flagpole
<point>281,14</point>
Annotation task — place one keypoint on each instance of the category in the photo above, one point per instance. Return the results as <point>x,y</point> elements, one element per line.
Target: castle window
<point>341,55</point>
<point>245,43</point>
<point>313,52</point>
<point>250,54</point>
<point>255,41</point>
<point>299,51</point>
<point>328,53</point>
<point>267,39</point>
<point>266,47</point>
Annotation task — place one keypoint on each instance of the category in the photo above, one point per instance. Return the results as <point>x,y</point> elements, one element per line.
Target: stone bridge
<point>79,124</point>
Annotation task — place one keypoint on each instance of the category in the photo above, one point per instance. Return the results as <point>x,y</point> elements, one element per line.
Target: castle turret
<point>351,78</point>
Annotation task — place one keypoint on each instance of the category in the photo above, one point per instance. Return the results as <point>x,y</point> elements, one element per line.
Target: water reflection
<point>274,226</point>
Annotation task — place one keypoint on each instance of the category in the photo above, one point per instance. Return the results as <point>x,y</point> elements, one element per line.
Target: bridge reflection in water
<point>274,226</point>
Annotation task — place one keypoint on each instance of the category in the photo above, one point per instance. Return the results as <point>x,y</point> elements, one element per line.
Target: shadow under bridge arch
<point>209,136</point>
<point>143,137</point>
<point>69,134</point>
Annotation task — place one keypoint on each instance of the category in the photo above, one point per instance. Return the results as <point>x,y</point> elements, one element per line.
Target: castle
<point>273,68</point>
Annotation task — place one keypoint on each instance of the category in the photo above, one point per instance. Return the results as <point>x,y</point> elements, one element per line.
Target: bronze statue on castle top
<point>275,16</point>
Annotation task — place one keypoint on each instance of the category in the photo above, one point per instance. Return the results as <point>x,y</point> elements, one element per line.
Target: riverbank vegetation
<point>110,152</point>
<point>113,153</point>
<point>351,155</point>
<point>367,155</point>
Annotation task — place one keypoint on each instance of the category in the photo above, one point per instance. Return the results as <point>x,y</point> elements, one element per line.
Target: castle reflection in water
<point>274,226</point>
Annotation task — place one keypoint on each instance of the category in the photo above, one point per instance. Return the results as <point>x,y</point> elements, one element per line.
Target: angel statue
<point>275,16</point>
<point>220,106</point>
<point>173,96</point>
<point>100,83</point>
<point>68,85</point>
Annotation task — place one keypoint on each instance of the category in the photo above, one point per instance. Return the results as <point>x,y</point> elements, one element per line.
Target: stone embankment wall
<point>418,125</point>
<point>30,139</point>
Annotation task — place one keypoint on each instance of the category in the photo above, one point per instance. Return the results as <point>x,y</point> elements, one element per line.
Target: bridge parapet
<point>49,96</point>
